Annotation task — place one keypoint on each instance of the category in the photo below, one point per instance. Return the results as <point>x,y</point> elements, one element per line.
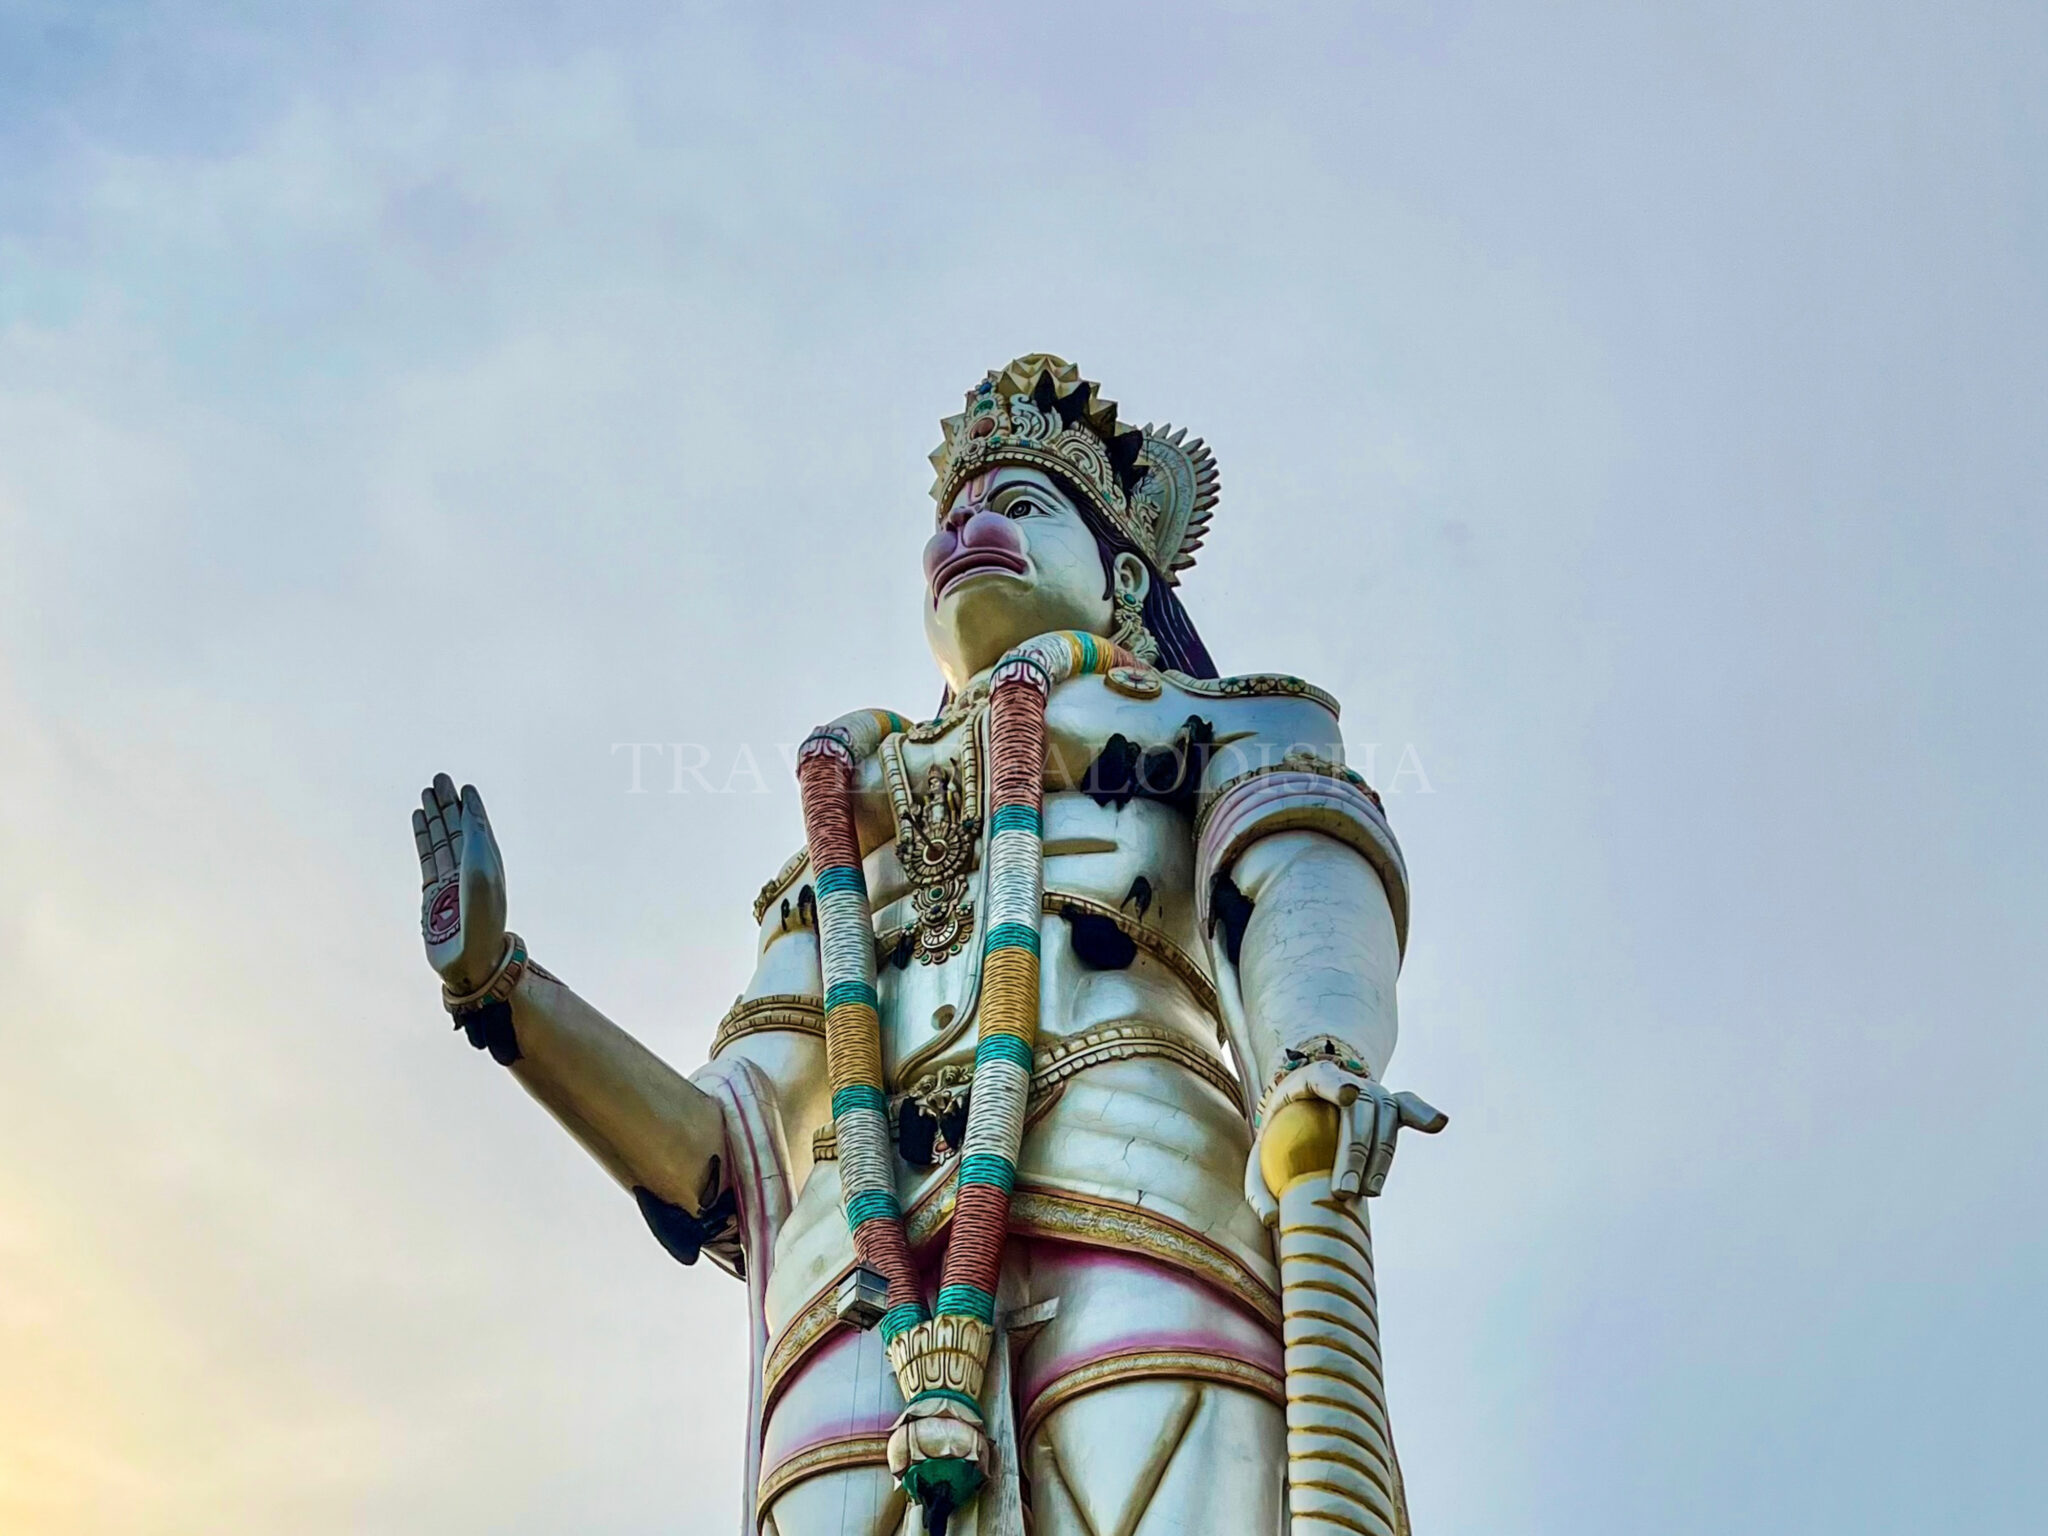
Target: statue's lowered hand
<point>462,884</point>
<point>1370,1119</point>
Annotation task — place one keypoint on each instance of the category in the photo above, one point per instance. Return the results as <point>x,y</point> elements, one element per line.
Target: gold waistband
<point>814,1460</point>
<point>1060,1060</point>
<point>1107,1370</point>
<point>1085,1219</point>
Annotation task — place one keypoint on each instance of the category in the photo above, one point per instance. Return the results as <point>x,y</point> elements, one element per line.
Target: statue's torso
<point>1135,1107</point>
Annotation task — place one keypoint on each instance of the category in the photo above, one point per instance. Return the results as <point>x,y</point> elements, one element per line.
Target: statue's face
<point>1012,560</point>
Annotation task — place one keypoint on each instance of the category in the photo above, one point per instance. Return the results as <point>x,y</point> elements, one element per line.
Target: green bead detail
<point>1003,1048</point>
<point>841,877</point>
<point>987,1168</point>
<point>965,1301</point>
<point>1015,818</point>
<point>843,992</point>
<point>946,1482</point>
<point>1011,936</point>
<point>872,1205</point>
<point>858,1096</point>
<point>899,1320</point>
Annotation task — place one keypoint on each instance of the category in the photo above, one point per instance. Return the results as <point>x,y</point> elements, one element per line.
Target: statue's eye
<point>1023,506</point>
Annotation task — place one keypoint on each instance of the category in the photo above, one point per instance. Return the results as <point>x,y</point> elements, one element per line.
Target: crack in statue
<point>1063,1228</point>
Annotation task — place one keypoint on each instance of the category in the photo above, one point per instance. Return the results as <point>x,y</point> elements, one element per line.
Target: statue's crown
<point>1155,485</point>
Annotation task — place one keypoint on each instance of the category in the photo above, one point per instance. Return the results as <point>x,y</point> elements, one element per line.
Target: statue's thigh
<point>1159,1456</point>
<point>859,1501</point>
<point>831,1420</point>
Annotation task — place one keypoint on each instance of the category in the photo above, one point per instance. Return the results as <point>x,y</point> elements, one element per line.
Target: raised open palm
<point>462,884</point>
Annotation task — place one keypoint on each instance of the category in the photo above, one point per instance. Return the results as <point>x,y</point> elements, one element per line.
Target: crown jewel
<point>1156,486</point>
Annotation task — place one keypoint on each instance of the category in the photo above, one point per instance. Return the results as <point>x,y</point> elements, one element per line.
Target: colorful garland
<point>940,1356</point>
<point>853,1039</point>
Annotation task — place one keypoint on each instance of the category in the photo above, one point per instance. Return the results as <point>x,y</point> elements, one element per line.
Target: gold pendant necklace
<point>935,838</point>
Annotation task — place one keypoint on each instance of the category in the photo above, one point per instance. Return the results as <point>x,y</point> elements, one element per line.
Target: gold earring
<point>1131,632</point>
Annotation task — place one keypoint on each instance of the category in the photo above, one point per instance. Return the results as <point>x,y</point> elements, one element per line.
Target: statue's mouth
<point>974,562</point>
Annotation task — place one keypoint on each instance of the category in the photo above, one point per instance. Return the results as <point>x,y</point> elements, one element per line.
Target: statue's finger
<point>1386,1127</point>
<point>459,827</point>
<point>1344,1167</point>
<point>1419,1114</point>
<point>437,831</point>
<point>480,853</point>
<point>451,813</point>
<point>1359,1113</point>
<point>476,826</point>
<point>1376,1181</point>
<point>423,841</point>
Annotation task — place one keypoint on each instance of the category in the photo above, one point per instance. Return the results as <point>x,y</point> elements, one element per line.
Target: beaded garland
<point>1008,1024</point>
<point>853,1049</point>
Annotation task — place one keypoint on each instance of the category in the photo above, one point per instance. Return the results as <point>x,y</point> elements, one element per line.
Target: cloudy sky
<point>1634,413</point>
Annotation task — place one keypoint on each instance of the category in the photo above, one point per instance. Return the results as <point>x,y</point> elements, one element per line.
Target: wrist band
<point>497,988</point>
<point>1294,1057</point>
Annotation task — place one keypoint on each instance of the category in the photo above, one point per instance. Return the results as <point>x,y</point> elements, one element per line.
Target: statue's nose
<point>988,530</point>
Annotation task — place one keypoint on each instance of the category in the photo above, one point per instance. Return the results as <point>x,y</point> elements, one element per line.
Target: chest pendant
<point>936,832</point>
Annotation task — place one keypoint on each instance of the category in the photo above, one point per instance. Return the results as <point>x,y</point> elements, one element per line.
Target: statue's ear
<point>1132,577</point>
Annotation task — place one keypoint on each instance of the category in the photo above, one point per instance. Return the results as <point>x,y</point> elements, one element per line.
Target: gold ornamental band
<point>783,876</point>
<point>1297,763</point>
<point>776,1010</point>
<point>830,1456</point>
<point>791,1347</point>
<point>1041,1213</point>
<point>1151,940</point>
<point>1068,1056</point>
<point>1254,685</point>
<point>1105,1224</point>
<point>1073,1054</point>
<point>1151,1365</point>
<point>1156,944</point>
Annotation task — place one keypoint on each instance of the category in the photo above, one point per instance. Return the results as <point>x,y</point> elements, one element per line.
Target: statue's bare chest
<point>1121,773</point>
<point>1118,871</point>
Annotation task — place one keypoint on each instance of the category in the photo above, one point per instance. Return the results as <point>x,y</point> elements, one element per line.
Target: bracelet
<point>1294,1057</point>
<point>496,989</point>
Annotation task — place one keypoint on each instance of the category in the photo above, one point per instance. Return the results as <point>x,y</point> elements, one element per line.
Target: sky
<point>1634,414</point>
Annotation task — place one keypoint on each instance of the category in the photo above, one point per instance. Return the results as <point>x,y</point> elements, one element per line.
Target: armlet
<point>783,876</point>
<point>777,1010</point>
<point>1298,793</point>
<point>1253,685</point>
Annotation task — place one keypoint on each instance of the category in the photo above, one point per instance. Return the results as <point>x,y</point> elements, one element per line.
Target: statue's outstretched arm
<point>651,1127</point>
